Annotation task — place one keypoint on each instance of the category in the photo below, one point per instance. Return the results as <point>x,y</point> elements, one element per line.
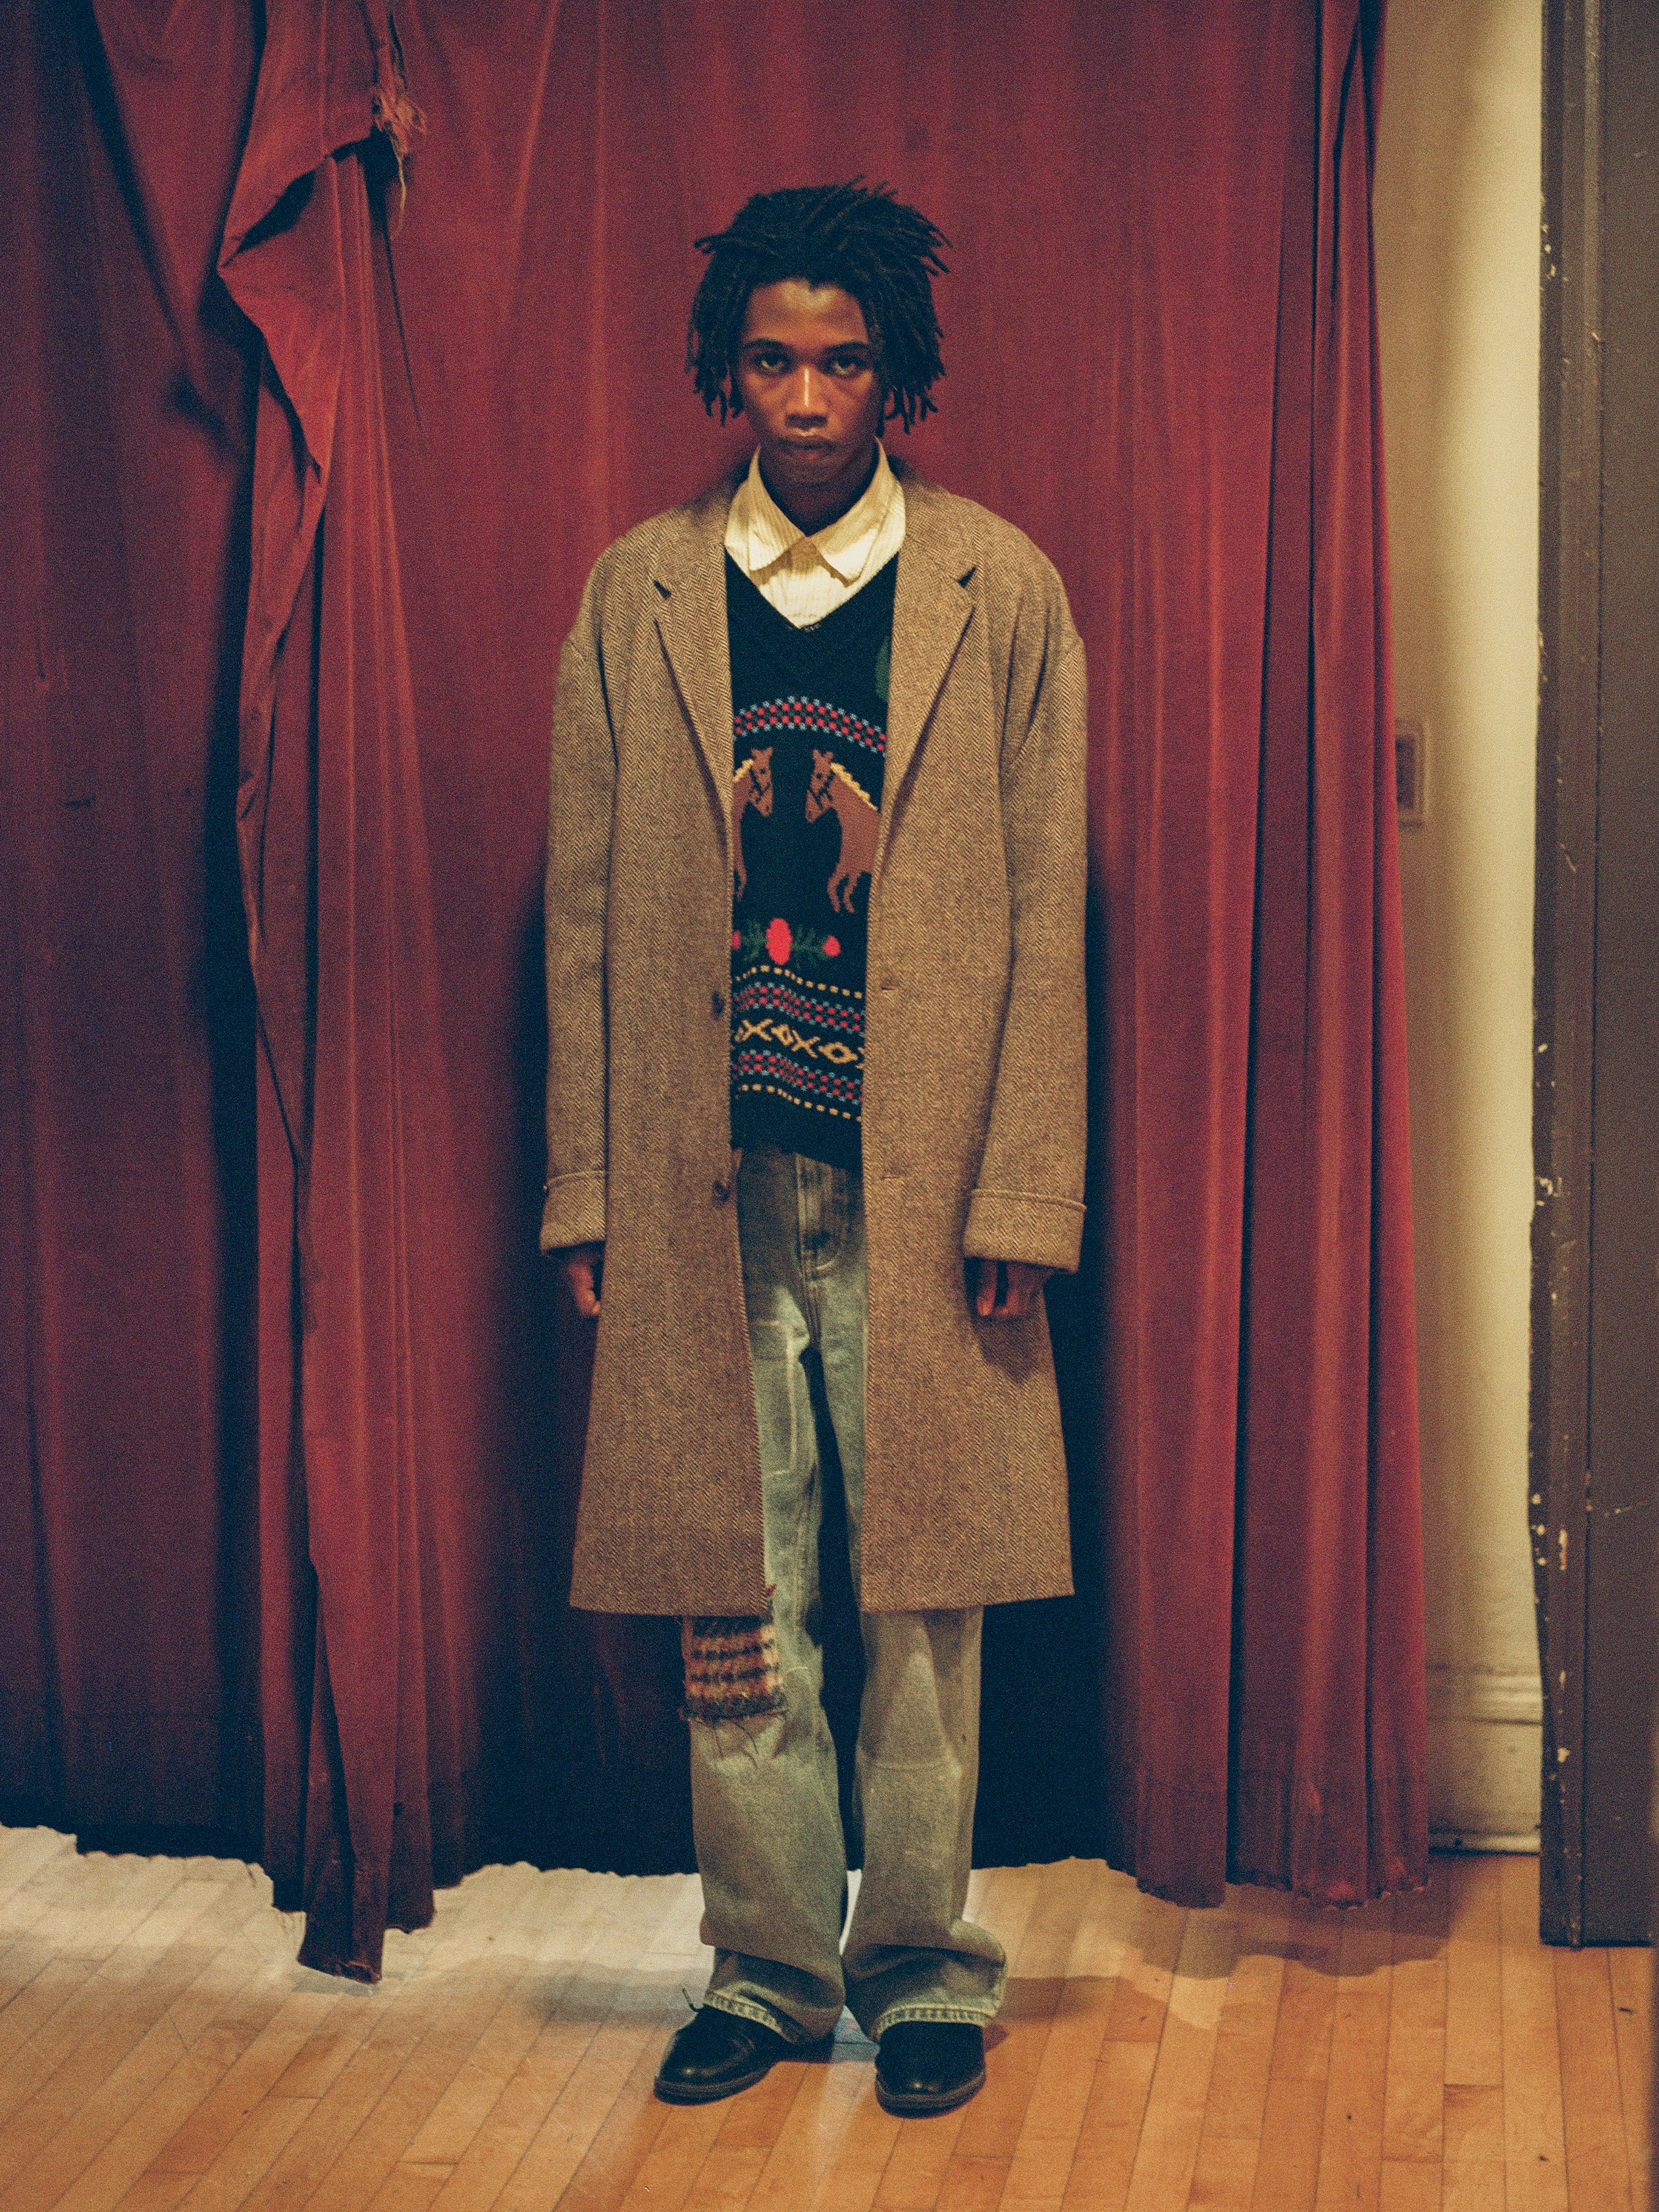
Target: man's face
<point>807,375</point>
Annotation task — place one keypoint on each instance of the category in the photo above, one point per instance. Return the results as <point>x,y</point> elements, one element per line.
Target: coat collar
<point>930,611</point>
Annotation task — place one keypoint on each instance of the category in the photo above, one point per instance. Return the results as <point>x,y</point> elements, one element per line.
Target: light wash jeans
<point>765,1808</point>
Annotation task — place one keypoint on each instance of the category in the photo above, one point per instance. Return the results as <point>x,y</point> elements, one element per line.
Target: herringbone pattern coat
<point>974,1072</point>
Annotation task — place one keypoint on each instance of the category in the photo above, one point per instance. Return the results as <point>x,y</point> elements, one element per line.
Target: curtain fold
<point>128,1645</point>
<point>1328,1734</point>
<point>319,418</point>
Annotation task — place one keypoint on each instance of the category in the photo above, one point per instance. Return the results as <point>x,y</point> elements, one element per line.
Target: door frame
<point>1595,1409</point>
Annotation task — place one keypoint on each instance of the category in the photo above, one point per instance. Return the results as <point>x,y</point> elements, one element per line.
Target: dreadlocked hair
<point>859,238</point>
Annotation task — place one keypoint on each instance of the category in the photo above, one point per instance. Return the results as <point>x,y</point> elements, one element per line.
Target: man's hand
<point>582,1266</point>
<point>1007,1290</point>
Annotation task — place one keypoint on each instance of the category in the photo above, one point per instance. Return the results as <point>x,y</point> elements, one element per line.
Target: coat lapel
<point>691,620</point>
<point>930,611</point>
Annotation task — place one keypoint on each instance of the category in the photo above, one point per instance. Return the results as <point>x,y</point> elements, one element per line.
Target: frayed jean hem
<point>765,2016</point>
<point>954,2015</point>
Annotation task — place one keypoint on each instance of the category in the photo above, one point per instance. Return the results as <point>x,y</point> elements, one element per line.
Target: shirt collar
<point>762,537</point>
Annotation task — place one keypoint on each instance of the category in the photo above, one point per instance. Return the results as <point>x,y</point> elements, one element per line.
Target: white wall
<point>1456,213</point>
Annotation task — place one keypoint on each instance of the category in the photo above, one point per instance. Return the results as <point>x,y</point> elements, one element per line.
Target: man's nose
<point>805,400</point>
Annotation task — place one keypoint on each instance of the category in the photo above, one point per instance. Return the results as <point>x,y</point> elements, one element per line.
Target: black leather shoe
<point>716,2054</point>
<point>928,2065</point>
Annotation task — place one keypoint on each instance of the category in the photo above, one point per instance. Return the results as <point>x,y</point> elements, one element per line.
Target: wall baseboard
<point>1486,1743</point>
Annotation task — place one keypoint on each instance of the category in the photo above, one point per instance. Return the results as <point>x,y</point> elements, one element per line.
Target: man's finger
<point>1008,1289</point>
<point>580,1269</point>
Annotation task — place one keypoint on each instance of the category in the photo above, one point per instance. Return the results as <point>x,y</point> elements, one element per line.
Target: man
<point>815,1125</point>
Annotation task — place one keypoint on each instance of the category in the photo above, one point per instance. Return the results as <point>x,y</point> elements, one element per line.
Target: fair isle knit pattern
<point>732,1669</point>
<point>809,746</point>
<point>831,724</point>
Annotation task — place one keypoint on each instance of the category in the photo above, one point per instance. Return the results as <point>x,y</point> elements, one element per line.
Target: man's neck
<point>812,507</point>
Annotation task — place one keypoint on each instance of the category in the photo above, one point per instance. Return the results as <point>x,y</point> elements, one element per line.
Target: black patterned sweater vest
<point>809,719</point>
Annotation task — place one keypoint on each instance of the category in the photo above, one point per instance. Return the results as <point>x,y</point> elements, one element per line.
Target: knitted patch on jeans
<point>731,1666</point>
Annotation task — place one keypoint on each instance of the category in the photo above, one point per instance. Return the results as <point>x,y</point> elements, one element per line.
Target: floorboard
<point>161,2050</point>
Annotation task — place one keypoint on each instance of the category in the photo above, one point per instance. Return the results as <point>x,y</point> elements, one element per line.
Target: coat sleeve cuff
<point>573,1211</point>
<point>1017,1224</point>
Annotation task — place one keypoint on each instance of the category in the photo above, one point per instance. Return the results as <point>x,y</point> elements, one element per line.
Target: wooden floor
<point>159,2048</point>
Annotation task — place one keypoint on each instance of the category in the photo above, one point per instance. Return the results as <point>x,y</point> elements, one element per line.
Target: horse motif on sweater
<point>833,790</point>
<point>751,786</point>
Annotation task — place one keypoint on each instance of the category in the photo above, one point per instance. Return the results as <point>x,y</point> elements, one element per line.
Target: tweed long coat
<point>974,1067</point>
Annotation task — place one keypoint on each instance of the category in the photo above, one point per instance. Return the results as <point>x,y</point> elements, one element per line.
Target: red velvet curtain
<point>316,411</point>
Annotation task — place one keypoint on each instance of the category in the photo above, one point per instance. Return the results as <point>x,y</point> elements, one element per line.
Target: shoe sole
<point>917,2103</point>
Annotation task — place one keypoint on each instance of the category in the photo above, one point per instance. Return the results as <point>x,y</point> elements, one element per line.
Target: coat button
<point>717,1003</point>
<point>722,1191</point>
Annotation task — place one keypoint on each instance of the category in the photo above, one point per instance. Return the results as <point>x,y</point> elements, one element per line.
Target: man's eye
<point>846,364</point>
<point>769,364</point>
